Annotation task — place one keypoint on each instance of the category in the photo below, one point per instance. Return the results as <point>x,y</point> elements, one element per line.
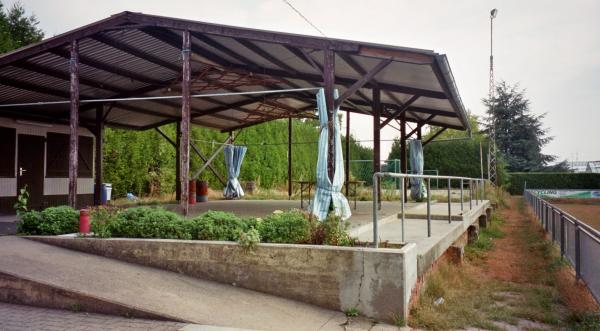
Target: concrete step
<point>36,273</point>
<point>8,224</point>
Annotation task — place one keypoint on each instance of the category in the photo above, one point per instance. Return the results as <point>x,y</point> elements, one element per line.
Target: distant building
<point>585,166</point>
<point>593,166</point>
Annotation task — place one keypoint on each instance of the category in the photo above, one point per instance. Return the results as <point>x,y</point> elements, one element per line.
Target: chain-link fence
<point>579,243</point>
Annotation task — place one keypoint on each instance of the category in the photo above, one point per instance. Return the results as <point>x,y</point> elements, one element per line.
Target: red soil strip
<point>511,260</point>
<point>589,214</point>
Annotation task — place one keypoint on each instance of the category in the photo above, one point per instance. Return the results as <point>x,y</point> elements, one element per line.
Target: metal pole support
<point>562,234</point>
<point>577,251</point>
<point>449,204</point>
<point>428,207</point>
<point>375,225</point>
<point>462,204</point>
<point>402,207</point>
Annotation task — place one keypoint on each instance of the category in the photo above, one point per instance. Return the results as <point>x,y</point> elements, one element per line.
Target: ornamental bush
<point>217,225</point>
<point>290,227</point>
<point>146,222</point>
<point>50,221</point>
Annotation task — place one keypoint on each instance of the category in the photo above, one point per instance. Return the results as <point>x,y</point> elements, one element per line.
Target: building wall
<point>55,189</point>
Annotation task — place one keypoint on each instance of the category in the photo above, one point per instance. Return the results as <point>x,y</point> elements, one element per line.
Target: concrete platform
<point>443,233</point>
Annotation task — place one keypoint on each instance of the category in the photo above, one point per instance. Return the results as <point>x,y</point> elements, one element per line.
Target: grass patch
<point>584,322</point>
<point>475,301</point>
<point>466,300</point>
<point>485,241</point>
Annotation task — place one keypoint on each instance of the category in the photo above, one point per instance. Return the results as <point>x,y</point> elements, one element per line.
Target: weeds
<point>475,301</point>
<point>485,242</point>
<point>584,322</point>
<point>352,312</point>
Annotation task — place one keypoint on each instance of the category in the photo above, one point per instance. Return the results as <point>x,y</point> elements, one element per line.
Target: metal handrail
<point>377,205</point>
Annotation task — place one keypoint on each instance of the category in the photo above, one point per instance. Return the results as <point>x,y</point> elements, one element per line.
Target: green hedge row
<point>552,180</point>
<point>291,227</point>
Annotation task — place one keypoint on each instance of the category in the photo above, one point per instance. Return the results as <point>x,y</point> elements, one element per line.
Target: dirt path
<point>518,257</point>
<point>507,261</point>
<point>512,279</point>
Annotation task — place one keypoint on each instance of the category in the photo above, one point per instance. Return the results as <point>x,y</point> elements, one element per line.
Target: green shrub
<point>249,239</point>
<point>146,222</point>
<point>51,221</point>
<point>284,227</point>
<point>552,180</point>
<point>290,227</point>
<point>217,225</point>
<point>332,231</point>
<point>30,222</point>
<point>103,219</point>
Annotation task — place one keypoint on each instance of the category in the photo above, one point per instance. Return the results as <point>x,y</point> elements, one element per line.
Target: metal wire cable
<point>304,18</point>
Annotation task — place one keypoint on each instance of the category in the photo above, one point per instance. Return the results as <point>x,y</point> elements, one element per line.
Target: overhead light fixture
<point>494,13</point>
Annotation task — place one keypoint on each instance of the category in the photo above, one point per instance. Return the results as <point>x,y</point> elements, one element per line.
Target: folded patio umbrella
<point>328,192</point>
<point>418,190</point>
<point>234,155</point>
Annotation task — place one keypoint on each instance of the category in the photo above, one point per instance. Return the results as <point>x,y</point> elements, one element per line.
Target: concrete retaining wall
<point>377,282</point>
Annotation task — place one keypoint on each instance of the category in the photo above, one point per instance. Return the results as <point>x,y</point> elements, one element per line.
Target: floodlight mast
<point>492,161</point>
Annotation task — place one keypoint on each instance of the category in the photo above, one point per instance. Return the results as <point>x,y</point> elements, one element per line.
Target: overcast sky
<point>551,48</point>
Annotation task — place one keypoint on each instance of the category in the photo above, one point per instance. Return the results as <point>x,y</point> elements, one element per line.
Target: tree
<point>17,29</point>
<point>520,135</point>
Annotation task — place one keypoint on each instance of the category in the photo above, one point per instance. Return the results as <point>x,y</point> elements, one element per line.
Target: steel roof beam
<point>361,82</point>
<point>98,64</point>
<point>105,39</point>
<point>399,112</point>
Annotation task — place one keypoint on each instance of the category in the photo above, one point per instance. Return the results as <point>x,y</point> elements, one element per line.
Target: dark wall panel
<point>7,152</point>
<point>57,156</point>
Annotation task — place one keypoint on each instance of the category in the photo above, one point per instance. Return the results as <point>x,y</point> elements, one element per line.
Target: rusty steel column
<point>73,123</point>
<point>290,158</point>
<point>98,171</point>
<point>185,122</point>
<point>178,161</point>
<point>403,159</point>
<point>347,163</point>
<point>329,82</point>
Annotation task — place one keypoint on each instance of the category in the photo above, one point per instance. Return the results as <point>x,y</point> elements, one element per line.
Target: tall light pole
<point>492,162</point>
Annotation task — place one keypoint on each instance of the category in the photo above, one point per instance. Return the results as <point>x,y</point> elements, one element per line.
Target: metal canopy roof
<point>135,55</point>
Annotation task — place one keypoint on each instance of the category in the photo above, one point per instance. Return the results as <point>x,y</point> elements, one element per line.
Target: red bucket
<point>192,192</point>
<point>84,221</point>
<point>202,191</point>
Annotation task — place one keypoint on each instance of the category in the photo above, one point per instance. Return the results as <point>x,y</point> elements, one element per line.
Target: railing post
<point>402,207</point>
<point>562,234</point>
<point>577,251</point>
<point>428,207</point>
<point>547,212</point>
<point>449,204</point>
<point>476,193</point>
<point>462,204</point>
<point>553,224</point>
<point>470,194</point>
<point>375,225</point>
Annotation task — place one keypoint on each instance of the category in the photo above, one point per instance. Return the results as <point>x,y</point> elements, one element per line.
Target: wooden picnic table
<point>307,185</point>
